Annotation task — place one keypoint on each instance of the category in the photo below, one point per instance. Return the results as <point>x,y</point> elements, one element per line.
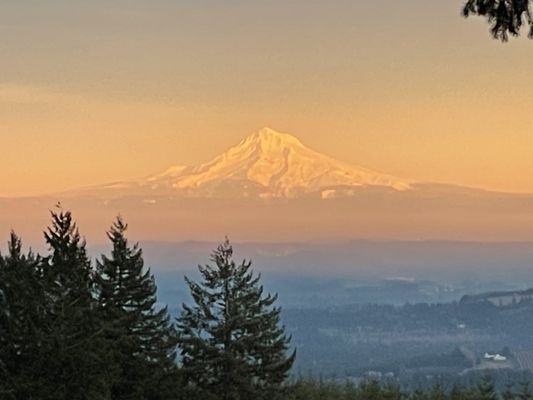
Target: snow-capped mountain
<point>269,164</point>
<point>225,196</point>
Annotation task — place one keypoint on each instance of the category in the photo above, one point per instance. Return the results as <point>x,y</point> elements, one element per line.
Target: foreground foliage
<point>506,17</point>
<point>372,390</point>
<point>231,341</point>
<point>72,331</point>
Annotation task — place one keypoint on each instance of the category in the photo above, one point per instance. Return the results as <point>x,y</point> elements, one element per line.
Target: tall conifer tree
<point>143,338</point>
<point>76,366</point>
<point>232,344</point>
<point>21,318</point>
<point>508,393</point>
<point>486,389</point>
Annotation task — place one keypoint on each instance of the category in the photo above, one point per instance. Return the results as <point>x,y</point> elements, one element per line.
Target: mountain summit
<point>270,164</point>
<point>224,196</point>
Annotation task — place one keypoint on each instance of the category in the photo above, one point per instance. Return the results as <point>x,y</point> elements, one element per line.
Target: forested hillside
<point>76,328</point>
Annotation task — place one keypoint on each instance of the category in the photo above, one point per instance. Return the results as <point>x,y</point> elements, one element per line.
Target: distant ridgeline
<point>417,343</point>
<point>500,299</point>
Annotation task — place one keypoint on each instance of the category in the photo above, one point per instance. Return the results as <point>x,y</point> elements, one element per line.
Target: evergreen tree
<point>77,366</point>
<point>4,333</point>
<point>232,344</point>
<point>391,392</point>
<point>142,336</point>
<point>437,393</point>
<point>370,390</point>
<point>418,394</point>
<point>21,300</point>
<point>486,389</point>
<point>506,17</point>
<point>457,393</point>
<point>525,392</point>
<point>508,393</point>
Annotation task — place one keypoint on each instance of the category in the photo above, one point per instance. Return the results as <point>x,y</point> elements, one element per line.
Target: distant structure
<point>494,357</point>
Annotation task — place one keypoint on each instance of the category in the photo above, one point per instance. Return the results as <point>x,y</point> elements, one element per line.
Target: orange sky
<point>99,91</point>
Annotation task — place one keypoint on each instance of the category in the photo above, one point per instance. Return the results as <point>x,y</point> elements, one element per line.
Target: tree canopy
<point>506,17</point>
<point>232,344</point>
<point>70,330</point>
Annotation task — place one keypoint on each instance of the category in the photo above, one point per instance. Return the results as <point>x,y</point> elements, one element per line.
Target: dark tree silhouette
<point>142,337</point>
<point>505,16</point>
<point>231,341</point>
<point>76,365</point>
<point>21,321</point>
<point>486,389</point>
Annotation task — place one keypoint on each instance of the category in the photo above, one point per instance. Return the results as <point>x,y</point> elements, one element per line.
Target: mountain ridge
<point>270,165</point>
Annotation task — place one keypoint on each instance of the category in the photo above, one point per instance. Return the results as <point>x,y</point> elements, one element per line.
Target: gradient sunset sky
<point>98,91</point>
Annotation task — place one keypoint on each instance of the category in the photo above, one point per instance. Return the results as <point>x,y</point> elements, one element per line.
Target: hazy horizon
<point>96,93</point>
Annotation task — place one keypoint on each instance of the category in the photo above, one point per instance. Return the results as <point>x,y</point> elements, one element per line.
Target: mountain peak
<point>272,164</point>
<point>268,138</point>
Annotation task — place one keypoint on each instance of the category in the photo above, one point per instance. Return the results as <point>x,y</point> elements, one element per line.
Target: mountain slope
<point>223,196</point>
<point>269,164</point>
